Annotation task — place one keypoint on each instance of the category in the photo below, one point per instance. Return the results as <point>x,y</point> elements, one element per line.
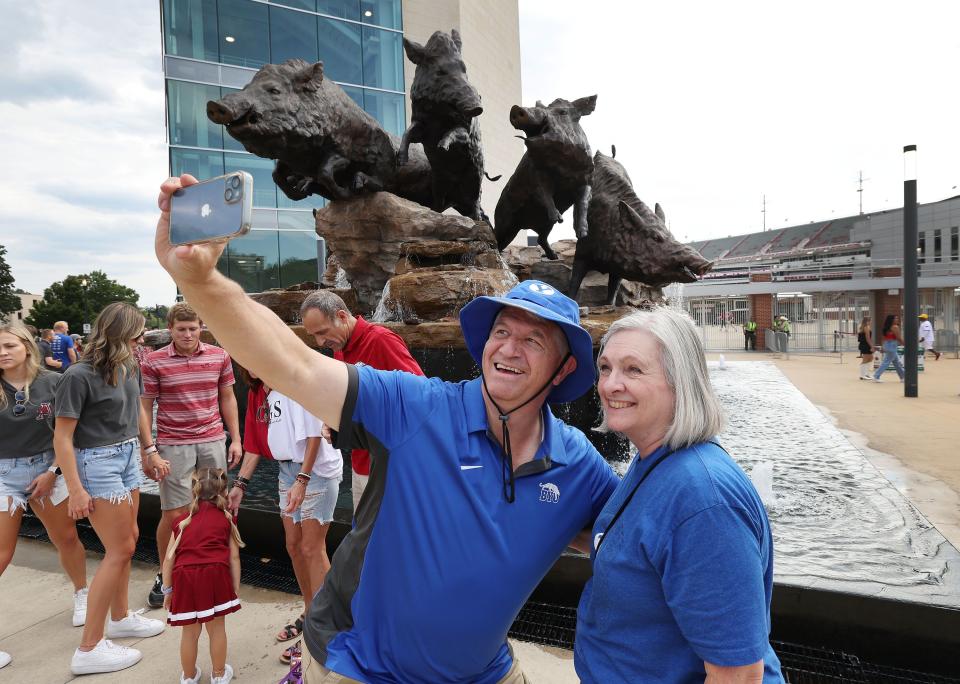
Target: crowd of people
<point>465,493</point>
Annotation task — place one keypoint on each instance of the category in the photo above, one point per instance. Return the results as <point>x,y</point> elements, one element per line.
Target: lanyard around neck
<point>626,501</point>
<point>643,477</point>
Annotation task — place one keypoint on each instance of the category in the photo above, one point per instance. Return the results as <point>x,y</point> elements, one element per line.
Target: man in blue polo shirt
<point>475,487</point>
<point>62,346</point>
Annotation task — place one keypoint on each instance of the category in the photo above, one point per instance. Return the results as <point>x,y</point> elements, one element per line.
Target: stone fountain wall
<point>406,262</point>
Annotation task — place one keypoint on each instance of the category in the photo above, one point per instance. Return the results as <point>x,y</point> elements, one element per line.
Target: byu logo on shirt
<point>542,289</point>
<point>549,492</point>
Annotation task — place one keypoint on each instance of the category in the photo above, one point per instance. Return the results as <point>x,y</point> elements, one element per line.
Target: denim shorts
<point>319,500</point>
<point>111,472</point>
<point>16,474</point>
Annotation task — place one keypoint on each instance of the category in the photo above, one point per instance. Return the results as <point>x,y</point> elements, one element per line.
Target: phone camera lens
<point>228,195</point>
<point>235,182</point>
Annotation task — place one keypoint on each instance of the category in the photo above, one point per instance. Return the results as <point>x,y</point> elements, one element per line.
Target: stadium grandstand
<point>825,276</point>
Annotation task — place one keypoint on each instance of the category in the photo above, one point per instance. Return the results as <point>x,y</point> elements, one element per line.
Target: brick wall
<point>885,304</point>
<point>761,308</point>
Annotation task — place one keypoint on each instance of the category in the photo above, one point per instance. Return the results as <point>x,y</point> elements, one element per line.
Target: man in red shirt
<point>192,383</point>
<point>353,340</point>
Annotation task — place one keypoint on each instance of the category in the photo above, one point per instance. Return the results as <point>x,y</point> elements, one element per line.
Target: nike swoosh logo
<point>470,467</point>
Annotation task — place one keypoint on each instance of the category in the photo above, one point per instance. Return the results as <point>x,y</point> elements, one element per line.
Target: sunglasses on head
<point>19,407</point>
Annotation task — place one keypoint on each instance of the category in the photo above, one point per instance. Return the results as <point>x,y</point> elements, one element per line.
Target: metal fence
<point>820,322</point>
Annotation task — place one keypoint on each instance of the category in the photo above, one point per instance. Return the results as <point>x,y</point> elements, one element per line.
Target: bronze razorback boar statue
<point>627,240</point>
<point>445,107</point>
<point>553,174</point>
<point>322,141</point>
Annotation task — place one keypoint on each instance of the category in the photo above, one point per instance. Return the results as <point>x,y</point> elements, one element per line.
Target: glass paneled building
<point>214,47</point>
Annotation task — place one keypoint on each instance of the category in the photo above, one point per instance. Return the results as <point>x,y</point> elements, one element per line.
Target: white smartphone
<point>217,209</point>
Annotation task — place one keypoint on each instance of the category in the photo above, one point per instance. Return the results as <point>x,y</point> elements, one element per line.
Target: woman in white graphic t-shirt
<point>310,475</point>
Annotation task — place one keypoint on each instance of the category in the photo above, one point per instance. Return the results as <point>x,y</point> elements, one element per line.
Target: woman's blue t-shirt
<point>684,576</point>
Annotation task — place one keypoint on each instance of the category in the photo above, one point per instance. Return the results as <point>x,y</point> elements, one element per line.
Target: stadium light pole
<point>910,297</point>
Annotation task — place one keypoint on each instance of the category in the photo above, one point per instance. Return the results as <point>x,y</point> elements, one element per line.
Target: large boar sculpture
<point>627,240</point>
<point>322,141</point>
<point>445,107</point>
<point>553,174</point>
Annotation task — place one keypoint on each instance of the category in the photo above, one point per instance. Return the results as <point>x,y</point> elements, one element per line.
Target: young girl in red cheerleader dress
<point>201,575</point>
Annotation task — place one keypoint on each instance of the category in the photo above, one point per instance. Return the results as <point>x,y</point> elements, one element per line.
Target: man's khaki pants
<point>315,673</point>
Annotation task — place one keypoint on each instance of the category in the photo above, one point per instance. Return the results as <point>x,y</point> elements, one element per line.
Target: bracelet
<point>241,485</point>
<point>55,469</point>
<point>242,479</point>
<point>150,450</point>
<point>149,446</point>
<point>166,591</point>
<point>302,475</point>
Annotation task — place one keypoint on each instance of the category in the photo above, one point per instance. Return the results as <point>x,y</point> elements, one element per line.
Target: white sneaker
<point>4,659</point>
<point>225,677</point>
<point>134,625</point>
<point>106,656</point>
<point>876,379</point>
<point>80,608</point>
<point>195,680</point>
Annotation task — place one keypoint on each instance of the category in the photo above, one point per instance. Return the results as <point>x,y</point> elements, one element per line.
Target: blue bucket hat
<point>546,302</point>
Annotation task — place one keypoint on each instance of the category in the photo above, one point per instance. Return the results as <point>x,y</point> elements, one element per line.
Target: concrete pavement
<point>36,605</point>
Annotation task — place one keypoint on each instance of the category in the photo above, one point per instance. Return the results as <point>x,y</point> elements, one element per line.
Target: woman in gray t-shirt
<point>98,420</point>
<point>27,471</point>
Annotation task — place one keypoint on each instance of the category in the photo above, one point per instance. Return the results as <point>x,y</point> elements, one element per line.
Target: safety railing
<point>826,270</point>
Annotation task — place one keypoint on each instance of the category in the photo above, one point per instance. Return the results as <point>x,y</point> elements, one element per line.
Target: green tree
<point>156,315</point>
<point>9,301</point>
<point>77,299</point>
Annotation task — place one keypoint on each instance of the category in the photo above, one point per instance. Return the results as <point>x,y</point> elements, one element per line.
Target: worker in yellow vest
<point>781,327</point>
<point>750,335</point>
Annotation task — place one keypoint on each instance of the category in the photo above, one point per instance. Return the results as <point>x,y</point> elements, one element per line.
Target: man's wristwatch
<point>55,469</point>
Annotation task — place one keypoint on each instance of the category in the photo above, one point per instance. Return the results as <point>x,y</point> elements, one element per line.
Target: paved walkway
<point>36,605</point>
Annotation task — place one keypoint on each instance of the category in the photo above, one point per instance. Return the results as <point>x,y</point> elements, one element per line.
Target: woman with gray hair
<point>682,552</point>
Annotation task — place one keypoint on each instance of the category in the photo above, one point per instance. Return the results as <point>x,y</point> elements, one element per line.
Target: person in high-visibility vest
<point>781,327</point>
<point>750,335</point>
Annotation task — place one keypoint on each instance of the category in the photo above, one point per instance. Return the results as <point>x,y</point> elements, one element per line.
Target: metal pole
<point>910,300</point>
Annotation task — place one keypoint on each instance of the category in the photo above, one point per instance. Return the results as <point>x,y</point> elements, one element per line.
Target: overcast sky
<point>711,105</point>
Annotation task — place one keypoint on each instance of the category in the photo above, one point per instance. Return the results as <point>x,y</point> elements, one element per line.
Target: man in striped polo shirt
<point>192,383</point>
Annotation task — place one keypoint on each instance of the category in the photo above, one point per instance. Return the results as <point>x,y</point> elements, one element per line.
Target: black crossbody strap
<point>629,498</point>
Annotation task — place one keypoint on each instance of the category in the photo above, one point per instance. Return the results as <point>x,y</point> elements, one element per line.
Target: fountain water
<point>341,280</point>
<point>674,296</point>
<point>837,519</point>
<point>762,477</point>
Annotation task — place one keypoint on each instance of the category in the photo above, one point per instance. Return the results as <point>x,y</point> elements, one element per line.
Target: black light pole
<point>910,296</point>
